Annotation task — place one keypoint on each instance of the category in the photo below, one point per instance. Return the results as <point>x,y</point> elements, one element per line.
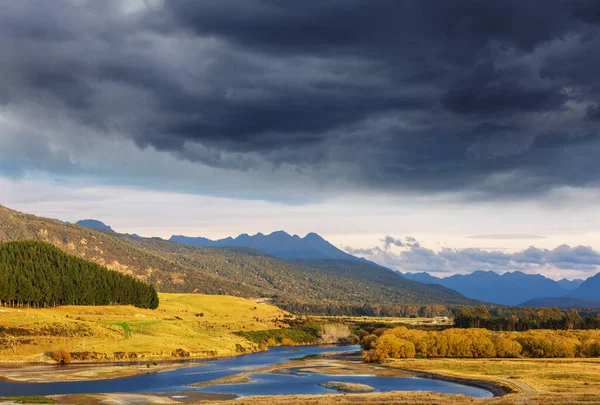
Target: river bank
<point>48,373</point>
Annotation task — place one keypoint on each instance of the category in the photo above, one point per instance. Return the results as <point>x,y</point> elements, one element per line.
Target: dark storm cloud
<point>488,98</point>
<point>593,113</point>
<point>488,90</point>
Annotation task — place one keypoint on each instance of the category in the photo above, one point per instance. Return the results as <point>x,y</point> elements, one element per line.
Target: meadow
<point>183,326</point>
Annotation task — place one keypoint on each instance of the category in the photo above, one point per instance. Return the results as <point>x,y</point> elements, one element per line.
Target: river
<point>180,380</point>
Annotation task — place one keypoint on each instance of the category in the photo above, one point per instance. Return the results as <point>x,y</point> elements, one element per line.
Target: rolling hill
<point>174,267</point>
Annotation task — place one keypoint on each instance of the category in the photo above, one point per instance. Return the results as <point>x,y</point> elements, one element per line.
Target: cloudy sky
<point>426,135</point>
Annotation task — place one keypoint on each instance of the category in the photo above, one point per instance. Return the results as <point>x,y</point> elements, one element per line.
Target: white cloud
<point>561,261</point>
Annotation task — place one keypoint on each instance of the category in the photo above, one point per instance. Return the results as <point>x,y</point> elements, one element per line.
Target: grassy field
<point>533,381</point>
<point>537,381</point>
<point>199,325</point>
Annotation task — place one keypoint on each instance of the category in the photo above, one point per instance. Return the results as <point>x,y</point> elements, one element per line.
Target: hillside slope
<point>201,326</point>
<point>174,267</point>
<point>116,254</point>
<point>362,275</point>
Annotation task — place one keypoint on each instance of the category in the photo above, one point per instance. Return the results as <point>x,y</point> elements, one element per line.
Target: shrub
<point>389,346</point>
<point>367,342</point>
<point>590,348</point>
<point>379,331</point>
<point>564,349</point>
<point>271,342</point>
<point>481,343</point>
<point>62,357</point>
<point>535,346</point>
<point>507,347</point>
<point>287,342</point>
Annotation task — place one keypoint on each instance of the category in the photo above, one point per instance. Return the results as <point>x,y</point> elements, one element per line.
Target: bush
<point>287,342</point>
<point>482,343</point>
<point>507,347</point>
<point>564,349</point>
<point>62,357</point>
<point>389,346</point>
<point>367,342</point>
<point>590,348</point>
<point>535,346</point>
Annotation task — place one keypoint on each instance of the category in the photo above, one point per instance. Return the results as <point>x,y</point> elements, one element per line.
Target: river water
<point>179,380</point>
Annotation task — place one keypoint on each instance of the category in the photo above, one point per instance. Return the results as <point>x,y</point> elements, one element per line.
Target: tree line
<point>525,319</point>
<point>37,274</point>
<point>401,342</point>
<point>341,308</point>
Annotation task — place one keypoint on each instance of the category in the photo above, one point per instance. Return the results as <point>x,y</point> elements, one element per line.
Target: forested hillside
<point>242,272</point>
<point>318,281</point>
<point>37,274</point>
<point>116,254</point>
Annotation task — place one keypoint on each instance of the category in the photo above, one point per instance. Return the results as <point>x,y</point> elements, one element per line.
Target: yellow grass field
<point>201,325</point>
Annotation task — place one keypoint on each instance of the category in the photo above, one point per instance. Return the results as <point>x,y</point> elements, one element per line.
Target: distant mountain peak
<point>280,233</point>
<point>94,224</point>
<point>570,284</point>
<point>278,243</point>
<point>510,288</point>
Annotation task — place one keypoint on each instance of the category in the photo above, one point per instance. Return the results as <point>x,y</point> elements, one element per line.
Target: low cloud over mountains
<point>578,260</point>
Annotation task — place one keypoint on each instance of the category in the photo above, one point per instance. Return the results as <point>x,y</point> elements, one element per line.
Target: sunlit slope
<point>195,324</point>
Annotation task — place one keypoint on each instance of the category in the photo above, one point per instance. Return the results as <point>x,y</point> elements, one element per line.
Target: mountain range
<point>516,288</point>
<point>279,244</point>
<point>314,252</point>
<point>570,284</point>
<point>175,267</point>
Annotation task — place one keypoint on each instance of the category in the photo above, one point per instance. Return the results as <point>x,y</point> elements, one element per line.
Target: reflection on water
<point>261,383</point>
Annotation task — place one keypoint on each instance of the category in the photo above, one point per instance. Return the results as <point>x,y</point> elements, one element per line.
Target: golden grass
<point>552,381</point>
<point>202,325</point>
